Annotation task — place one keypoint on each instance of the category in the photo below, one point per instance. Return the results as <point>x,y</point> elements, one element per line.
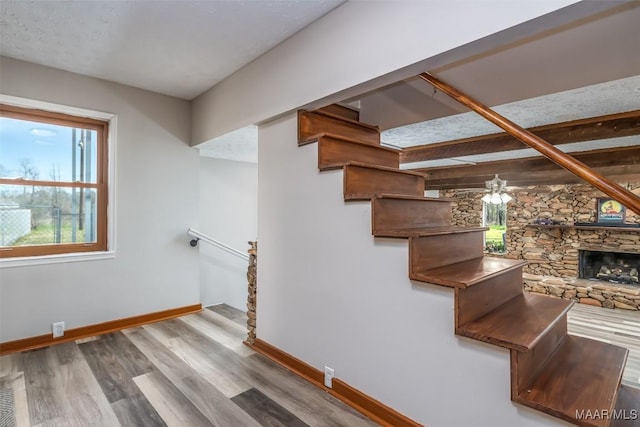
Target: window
<point>494,216</point>
<point>53,183</point>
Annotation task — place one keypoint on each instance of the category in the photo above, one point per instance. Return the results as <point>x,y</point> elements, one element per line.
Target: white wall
<point>360,41</point>
<point>228,213</point>
<point>156,201</point>
<point>330,294</point>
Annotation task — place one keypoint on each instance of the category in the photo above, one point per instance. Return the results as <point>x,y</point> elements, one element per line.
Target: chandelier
<point>496,188</point>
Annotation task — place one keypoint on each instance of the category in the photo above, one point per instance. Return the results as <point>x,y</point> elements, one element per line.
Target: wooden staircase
<point>551,371</point>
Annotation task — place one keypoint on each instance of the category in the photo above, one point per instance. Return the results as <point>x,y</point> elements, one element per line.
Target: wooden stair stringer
<point>490,304</point>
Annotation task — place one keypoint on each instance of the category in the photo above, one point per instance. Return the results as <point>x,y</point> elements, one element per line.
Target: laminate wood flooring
<point>614,326</point>
<point>195,371</point>
<point>189,371</point>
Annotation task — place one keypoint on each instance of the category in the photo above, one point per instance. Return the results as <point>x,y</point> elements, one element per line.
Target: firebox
<point>615,267</point>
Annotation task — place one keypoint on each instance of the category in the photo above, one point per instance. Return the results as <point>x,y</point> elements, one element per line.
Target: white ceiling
<point>177,48</point>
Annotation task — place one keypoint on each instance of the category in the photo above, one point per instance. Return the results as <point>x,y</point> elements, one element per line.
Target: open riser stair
<point>551,370</point>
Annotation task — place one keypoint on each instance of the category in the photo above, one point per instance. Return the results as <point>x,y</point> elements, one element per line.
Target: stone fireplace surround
<point>553,253</point>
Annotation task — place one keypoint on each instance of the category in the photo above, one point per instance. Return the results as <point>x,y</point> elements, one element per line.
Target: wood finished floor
<point>195,371</point>
<point>191,371</point>
<point>619,327</point>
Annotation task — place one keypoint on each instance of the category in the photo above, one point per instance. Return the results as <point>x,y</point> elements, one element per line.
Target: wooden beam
<point>605,157</point>
<point>557,177</point>
<point>590,129</point>
<point>607,186</point>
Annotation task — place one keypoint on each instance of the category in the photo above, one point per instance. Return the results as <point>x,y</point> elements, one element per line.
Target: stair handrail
<point>208,239</point>
<point>602,183</point>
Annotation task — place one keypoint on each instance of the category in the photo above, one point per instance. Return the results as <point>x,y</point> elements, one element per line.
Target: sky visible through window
<point>45,151</point>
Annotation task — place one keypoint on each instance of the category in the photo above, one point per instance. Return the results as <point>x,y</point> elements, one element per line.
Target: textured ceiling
<point>240,145</point>
<point>591,101</point>
<point>178,48</point>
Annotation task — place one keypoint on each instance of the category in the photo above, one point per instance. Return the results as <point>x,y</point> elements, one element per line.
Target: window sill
<point>55,259</point>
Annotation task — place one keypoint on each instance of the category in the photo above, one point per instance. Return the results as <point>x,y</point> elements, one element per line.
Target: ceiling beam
<point>594,128</point>
<point>619,174</point>
<point>532,170</point>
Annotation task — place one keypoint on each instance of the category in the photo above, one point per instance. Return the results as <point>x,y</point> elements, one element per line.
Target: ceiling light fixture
<point>497,194</point>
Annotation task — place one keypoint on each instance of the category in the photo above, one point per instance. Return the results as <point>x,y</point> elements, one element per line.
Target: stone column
<point>252,273</point>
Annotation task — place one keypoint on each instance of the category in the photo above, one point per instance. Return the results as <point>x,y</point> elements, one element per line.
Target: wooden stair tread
<point>344,119</point>
<point>427,231</point>
<point>403,215</point>
<point>311,123</point>
<point>628,401</point>
<point>335,152</point>
<point>468,273</point>
<point>387,169</point>
<point>343,110</point>
<point>419,198</point>
<point>316,137</point>
<point>519,323</point>
<point>583,374</point>
<point>362,181</point>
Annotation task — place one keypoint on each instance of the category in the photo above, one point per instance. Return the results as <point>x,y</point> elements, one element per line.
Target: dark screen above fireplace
<point>616,267</point>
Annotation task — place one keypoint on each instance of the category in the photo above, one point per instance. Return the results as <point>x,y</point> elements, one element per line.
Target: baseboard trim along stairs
<point>368,406</point>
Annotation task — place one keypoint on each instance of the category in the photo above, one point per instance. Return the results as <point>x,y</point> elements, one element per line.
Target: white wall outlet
<point>57,329</point>
<point>328,376</point>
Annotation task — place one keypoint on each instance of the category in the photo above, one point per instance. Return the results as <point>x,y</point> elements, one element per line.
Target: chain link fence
<point>23,225</point>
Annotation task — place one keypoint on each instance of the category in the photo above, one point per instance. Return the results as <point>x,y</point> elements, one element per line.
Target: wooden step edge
<point>345,110</point>
<point>436,280</point>
<point>439,231</point>
<point>418,198</point>
<point>513,266</point>
<point>627,408</point>
<point>384,168</point>
<point>492,328</point>
<point>344,119</point>
<point>318,136</point>
<point>578,366</point>
<point>426,231</point>
<point>433,276</point>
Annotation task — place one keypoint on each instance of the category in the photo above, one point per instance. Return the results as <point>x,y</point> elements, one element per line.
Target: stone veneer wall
<point>553,253</point>
<point>252,279</point>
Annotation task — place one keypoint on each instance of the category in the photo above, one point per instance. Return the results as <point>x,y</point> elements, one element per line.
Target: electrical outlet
<point>57,329</point>
<point>328,376</point>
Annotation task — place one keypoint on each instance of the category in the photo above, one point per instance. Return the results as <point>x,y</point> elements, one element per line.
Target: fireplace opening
<point>615,267</point>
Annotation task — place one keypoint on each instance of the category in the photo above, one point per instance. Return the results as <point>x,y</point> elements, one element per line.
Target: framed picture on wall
<point>610,211</point>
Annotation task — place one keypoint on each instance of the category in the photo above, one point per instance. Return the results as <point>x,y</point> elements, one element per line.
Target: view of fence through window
<point>49,183</point>
<point>46,215</point>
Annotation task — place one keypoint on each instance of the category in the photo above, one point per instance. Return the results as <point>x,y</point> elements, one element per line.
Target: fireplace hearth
<point>614,267</point>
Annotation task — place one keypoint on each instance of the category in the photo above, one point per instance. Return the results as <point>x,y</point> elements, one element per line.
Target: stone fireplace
<point>559,255</point>
<point>613,267</point>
